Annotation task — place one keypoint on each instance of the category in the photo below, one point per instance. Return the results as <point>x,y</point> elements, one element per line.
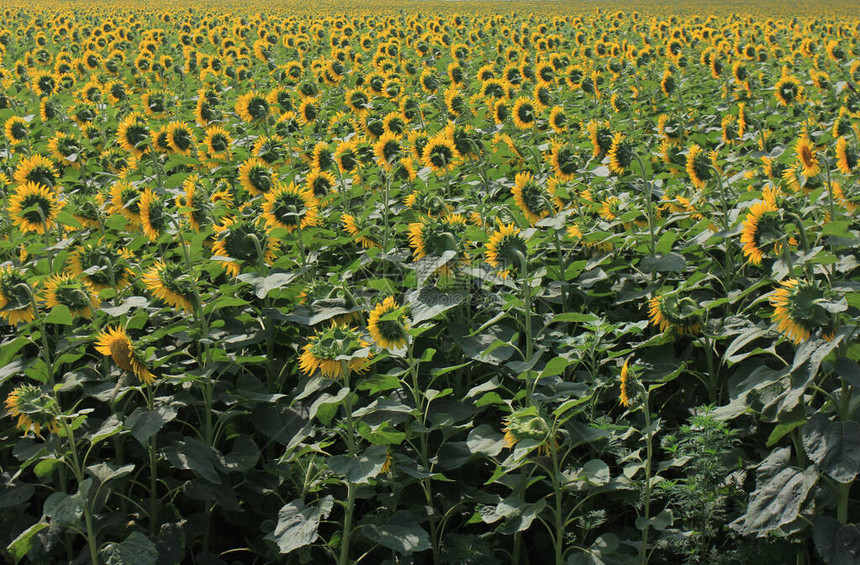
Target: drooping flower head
<point>672,311</point>
<point>115,343</point>
<point>798,311</point>
<point>529,424</point>
<point>16,304</point>
<point>170,283</point>
<point>335,352</point>
<point>35,409</point>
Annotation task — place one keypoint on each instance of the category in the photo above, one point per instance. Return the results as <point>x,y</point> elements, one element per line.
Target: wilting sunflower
<point>252,106</point>
<point>354,227</point>
<point>524,113</point>
<point>534,200</point>
<point>506,250</point>
<point>36,169</point>
<point>101,266</point>
<point>125,200</point>
<point>671,311</point>
<point>63,289</point>
<point>760,230</point>
<point>798,311</point>
<point>255,176</point>
<point>235,242</point>
<point>16,304</point>
<point>788,90</point>
<point>528,424</point>
<point>35,409</point>
<point>289,206</point>
<point>698,166</point>
<point>625,383</point>
<point>34,208</point>
<point>846,157</point>
<point>170,283</point>
<point>115,343</point>
<point>440,154</point>
<point>808,161</point>
<point>335,351</point>
<point>621,154</point>
<point>387,325</point>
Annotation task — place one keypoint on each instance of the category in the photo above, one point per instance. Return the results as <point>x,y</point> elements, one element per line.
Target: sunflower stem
<point>652,242</point>
<point>649,448</point>
<point>78,471</point>
<point>153,470</point>
<point>343,557</point>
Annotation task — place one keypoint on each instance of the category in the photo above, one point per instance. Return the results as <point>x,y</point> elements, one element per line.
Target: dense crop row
<point>476,287</point>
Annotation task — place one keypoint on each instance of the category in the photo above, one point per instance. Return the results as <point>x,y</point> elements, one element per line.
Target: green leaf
<point>60,315</point>
<point>22,545</point>
<point>428,303</point>
<point>834,446</point>
<point>668,263</point>
<point>360,469</point>
<point>659,522</point>
<point>485,440</point>
<point>192,454</point>
<point>66,509</point>
<point>16,495</point>
<point>402,534</point>
<point>595,472</point>
<point>264,285</point>
<point>144,423</point>
<point>575,318</point>
<point>555,366</point>
<point>298,524</point>
<point>136,549</point>
<point>837,544</point>
<point>325,407</point>
<point>848,370</point>
<point>780,492</point>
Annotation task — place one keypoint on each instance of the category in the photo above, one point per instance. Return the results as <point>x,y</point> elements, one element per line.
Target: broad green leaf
<point>298,524</point>
<point>834,446</point>
<point>485,440</point>
<point>362,468</point>
<point>402,534</point>
<point>136,549</point>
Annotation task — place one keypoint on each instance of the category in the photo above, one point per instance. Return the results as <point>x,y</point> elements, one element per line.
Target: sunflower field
<point>429,283</point>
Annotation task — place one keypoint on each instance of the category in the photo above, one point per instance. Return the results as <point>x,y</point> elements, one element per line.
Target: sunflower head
<point>506,250</point>
<point>358,227</point>
<point>529,424</point>
<point>37,169</point>
<point>255,176</point>
<point>698,166</point>
<point>799,311</point>
<point>440,154</point>
<point>628,377</point>
<point>788,90</point>
<point>621,153</point>
<point>17,129</point>
<point>240,241</point>
<point>289,206</point>
<point>252,107</point>
<point>524,113</point>
<point>762,230</point>
<point>101,266</point>
<point>63,289</point>
<point>34,208</point>
<point>387,325</point>
<point>170,283</point>
<point>335,352</point>
<point>16,303</point>
<point>153,214</point>
<point>532,199</point>
<point>35,409</point>
<point>672,311</point>
<point>115,343</point>
<point>564,160</point>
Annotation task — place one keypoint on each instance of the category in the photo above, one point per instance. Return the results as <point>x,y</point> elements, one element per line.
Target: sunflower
<point>506,250</point>
<point>524,113</point>
<point>434,236</point>
<point>667,83</point>
<point>252,106</point>
<point>788,90</point>
<point>601,137</point>
<point>564,161</point>
<point>66,149</point>
<point>125,200</point>
<point>528,424</point>
<point>500,111</point>
<point>36,169</point>
<point>850,203</point>
<point>36,410</point>
<point>180,138</point>
<point>531,198</point>
<point>16,304</point>
<point>760,229</point>
<point>620,154</point>
<point>235,244</point>
<point>346,157</point>
<point>288,206</point>
<point>133,134</point>
<point>806,155</point>
<point>322,157</point>
<point>255,176</point>
<point>217,142</point>
<point>17,130</point>
<point>355,227</point>
<point>387,325</point>
<point>197,202</point>
<point>625,385</point>
<point>388,150</point>
<point>698,166</point>
<point>671,311</point>
<point>63,289</point>
<point>798,311</point>
<point>558,120</point>
<point>170,283</point>
<point>153,214</point>
<point>846,157</point>
<point>34,208</point>
<point>440,154</point>
<point>320,183</point>
<point>336,352</point>
<point>115,343</point>
<point>101,266</point>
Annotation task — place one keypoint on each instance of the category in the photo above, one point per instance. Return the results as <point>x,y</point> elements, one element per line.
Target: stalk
<point>649,439</point>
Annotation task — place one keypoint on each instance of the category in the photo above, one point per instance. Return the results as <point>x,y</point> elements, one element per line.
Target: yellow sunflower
<point>235,244</point>
<point>670,311</point>
<point>255,176</point>
<point>289,206</point>
<point>115,343</point>
<point>846,157</point>
<point>387,325</point>
<point>354,227</point>
<point>35,409</point>
<point>153,214</point>
<point>170,283</point>
<point>36,169</point>
<point>335,352</point>
<point>505,250</point>
<point>806,151</point>
<point>698,166</point>
<point>760,229</point>
<point>798,311</point>
<point>16,304</point>
<point>64,289</point>
<point>532,199</point>
<point>34,208</point>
